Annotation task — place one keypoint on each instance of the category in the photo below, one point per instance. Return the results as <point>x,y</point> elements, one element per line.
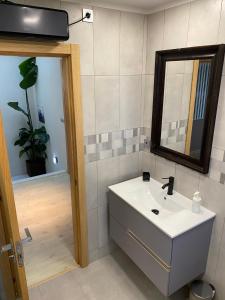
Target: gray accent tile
<point>224,156</point>
<point>222,178</point>
<point>105,146</point>
<point>92,157</point>
<point>135,132</point>
<point>91,139</point>
<point>182,123</point>
<point>141,147</point>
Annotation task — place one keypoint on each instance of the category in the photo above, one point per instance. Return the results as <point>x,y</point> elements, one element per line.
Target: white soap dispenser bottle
<point>196,203</point>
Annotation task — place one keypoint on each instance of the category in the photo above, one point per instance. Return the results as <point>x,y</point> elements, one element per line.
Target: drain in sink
<point>155,211</point>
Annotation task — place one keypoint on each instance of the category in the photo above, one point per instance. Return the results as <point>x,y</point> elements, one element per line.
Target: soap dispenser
<point>196,203</point>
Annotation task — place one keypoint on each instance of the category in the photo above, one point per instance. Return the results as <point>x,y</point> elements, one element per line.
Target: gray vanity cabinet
<point>169,263</point>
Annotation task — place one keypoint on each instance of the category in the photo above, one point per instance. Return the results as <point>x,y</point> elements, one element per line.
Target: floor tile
<point>114,277</point>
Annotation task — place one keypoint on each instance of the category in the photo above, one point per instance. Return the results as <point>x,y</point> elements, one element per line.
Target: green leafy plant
<point>32,140</point>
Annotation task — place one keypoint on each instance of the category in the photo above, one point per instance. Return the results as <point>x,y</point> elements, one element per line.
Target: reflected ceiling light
<point>31,20</point>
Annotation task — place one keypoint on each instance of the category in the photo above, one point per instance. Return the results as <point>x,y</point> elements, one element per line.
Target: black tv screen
<point>31,21</point>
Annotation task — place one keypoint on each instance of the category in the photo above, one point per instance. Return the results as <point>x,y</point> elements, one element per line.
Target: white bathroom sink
<point>175,214</point>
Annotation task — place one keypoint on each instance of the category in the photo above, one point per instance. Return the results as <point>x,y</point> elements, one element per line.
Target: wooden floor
<point>44,206</point>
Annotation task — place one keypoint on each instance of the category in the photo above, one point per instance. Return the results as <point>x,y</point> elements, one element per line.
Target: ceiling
<point>141,6</point>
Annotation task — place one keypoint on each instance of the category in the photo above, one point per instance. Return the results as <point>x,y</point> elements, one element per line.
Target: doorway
<point>66,183</point>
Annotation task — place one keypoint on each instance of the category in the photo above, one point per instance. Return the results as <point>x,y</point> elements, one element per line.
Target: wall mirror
<point>186,91</point>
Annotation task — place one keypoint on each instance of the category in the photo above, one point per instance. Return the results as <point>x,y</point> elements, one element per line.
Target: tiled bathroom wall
<point>112,66</point>
<point>117,72</point>
<point>200,22</point>
<point>113,57</point>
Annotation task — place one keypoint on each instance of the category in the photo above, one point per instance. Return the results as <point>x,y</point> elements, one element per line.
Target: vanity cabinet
<point>170,263</point>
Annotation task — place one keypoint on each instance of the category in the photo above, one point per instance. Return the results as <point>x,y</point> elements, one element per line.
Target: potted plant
<point>31,140</point>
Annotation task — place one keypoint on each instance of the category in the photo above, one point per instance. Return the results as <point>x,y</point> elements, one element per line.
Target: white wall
<point>13,120</point>
<point>49,97</point>
<point>47,94</point>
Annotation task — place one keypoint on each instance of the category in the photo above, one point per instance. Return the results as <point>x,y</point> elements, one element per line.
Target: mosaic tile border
<point>174,132</point>
<point>111,144</point>
<point>117,143</point>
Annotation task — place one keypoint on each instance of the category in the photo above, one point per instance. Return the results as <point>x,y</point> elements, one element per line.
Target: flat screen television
<point>33,22</point>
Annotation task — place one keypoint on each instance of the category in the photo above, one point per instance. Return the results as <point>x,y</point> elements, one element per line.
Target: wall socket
<point>90,11</point>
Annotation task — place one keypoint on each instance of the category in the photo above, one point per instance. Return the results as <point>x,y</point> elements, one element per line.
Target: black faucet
<point>170,185</point>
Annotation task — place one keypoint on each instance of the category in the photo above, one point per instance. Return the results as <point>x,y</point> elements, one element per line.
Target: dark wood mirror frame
<point>216,54</point>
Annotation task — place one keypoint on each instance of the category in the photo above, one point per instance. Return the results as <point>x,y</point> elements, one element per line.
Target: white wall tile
<point>163,168</point>
<point>212,194</point>
<point>108,174</point>
<point>220,270</point>
<point>107,103</point>
<point>106,41</point>
<point>109,248</point>
<point>129,166</point>
<point>43,3</point>
<point>145,40</point>
<point>172,97</point>
<point>148,100</point>
<point>130,101</point>
<point>155,39</point>
<point>131,44</point>
<point>221,34</point>
<point>148,163</point>
<point>176,27</point>
<point>92,229</point>
<point>186,96</point>
<point>204,22</point>
<point>91,185</point>
<point>103,226</point>
<point>186,181</point>
<point>88,104</point>
<point>82,34</point>
<point>175,67</point>
<point>219,136</point>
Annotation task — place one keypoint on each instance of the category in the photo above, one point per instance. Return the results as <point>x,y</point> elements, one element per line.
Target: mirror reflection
<point>184,105</point>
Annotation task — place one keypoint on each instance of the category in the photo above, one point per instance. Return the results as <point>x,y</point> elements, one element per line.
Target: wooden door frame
<point>70,55</point>
<point>191,107</point>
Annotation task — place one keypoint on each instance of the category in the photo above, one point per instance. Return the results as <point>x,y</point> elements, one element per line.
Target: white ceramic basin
<point>175,212</point>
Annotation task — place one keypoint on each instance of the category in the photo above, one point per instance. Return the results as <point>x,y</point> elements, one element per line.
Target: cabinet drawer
<point>140,255</point>
<point>152,237</point>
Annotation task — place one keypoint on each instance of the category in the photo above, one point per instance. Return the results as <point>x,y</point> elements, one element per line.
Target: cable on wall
<point>87,16</point>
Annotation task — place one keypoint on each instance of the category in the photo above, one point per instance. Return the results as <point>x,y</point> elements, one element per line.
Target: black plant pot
<point>36,167</point>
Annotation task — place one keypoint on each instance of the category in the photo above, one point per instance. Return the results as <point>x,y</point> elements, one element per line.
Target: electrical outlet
<point>90,11</point>
<point>55,159</point>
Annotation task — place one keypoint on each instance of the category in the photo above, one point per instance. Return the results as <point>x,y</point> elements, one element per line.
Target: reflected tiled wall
<point>197,23</point>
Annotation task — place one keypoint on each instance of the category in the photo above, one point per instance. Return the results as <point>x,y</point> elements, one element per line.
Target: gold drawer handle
<point>149,251</point>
